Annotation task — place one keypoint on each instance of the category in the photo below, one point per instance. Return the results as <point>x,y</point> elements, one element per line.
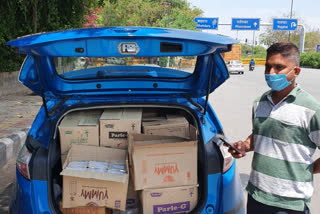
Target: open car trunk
<point>56,163</point>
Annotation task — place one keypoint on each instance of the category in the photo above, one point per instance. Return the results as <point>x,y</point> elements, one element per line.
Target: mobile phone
<point>230,146</point>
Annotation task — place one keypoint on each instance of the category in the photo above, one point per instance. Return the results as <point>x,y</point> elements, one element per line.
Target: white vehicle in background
<point>235,66</point>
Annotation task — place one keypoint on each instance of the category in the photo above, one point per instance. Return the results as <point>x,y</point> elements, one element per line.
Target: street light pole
<point>166,3</point>
<point>290,18</point>
<point>253,44</point>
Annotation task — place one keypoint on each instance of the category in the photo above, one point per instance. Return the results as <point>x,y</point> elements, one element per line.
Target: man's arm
<point>245,146</point>
<point>316,166</point>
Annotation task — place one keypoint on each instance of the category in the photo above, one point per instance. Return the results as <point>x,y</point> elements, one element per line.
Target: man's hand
<point>316,166</point>
<point>240,146</point>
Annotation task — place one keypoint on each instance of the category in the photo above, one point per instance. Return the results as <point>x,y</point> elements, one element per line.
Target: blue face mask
<point>278,82</point>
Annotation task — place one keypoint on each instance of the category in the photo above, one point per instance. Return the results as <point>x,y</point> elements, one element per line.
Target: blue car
<point>167,70</point>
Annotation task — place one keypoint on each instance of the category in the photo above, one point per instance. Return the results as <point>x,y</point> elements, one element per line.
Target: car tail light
<point>241,65</point>
<point>227,158</point>
<point>229,66</point>
<point>23,162</point>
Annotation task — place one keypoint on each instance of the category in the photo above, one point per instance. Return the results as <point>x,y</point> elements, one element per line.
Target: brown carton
<point>79,128</point>
<point>115,124</point>
<point>94,188</point>
<point>169,200</point>
<point>162,161</point>
<point>85,210</point>
<point>128,211</point>
<point>169,126</point>
<point>149,113</point>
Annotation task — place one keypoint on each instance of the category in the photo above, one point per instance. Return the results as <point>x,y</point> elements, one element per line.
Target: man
<point>251,65</point>
<point>286,132</point>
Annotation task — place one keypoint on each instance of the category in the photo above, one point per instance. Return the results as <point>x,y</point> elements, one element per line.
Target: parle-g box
<point>169,200</point>
<point>116,124</point>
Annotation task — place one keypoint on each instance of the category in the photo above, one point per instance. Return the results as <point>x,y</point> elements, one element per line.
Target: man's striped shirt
<point>286,136</point>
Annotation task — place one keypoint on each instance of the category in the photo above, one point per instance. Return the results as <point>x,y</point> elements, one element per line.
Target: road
<point>233,100</point>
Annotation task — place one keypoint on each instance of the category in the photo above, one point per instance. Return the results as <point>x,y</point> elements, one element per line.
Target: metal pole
<point>253,43</point>
<point>167,3</point>
<point>302,39</point>
<point>290,18</point>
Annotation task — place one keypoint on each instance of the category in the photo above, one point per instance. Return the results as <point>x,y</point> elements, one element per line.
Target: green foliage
<point>152,13</point>
<point>258,51</point>
<point>23,17</point>
<point>310,59</point>
<point>312,39</point>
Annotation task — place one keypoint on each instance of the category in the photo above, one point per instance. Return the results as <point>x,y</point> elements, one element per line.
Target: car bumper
<point>236,70</point>
<point>30,196</point>
<point>232,194</point>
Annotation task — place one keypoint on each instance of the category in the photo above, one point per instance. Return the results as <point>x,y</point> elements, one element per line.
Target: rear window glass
<point>108,67</point>
<point>236,62</point>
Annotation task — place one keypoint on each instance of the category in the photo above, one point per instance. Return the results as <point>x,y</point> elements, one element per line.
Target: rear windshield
<point>110,67</point>
<point>236,62</point>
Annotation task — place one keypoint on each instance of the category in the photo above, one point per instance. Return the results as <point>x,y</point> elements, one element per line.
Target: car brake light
<point>23,162</point>
<point>230,66</point>
<point>227,158</point>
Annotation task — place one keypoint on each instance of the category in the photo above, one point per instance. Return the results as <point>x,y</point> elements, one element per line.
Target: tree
<point>258,51</point>
<point>22,17</point>
<point>152,13</point>
<point>312,39</point>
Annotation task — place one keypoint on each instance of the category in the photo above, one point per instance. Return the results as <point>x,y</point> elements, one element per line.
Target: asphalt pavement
<point>17,113</point>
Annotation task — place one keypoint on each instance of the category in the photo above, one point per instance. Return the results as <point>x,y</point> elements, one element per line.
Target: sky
<point>306,11</point>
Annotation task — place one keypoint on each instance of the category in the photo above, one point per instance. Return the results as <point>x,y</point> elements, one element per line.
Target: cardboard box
<point>162,161</point>
<point>128,211</point>
<point>102,189</point>
<point>147,113</point>
<point>169,200</point>
<point>79,128</point>
<point>115,124</point>
<point>172,126</point>
<point>85,210</point>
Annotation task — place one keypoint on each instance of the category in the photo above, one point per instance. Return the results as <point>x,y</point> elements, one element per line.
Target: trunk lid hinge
<point>63,99</point>
<point>203,110</point>
<point>209,85</point>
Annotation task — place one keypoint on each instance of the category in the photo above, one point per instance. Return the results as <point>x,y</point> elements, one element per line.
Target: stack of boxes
<point>162,161</point>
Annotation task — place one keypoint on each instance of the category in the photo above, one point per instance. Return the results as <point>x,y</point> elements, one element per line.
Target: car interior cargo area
<point>127,159</point>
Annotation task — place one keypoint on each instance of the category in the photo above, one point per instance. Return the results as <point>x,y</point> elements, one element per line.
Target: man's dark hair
<point>286,49</point>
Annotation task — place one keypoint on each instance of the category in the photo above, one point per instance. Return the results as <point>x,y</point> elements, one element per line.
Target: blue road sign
<point>285,24</point>
<point>245,24</point>
<point>207,23</point>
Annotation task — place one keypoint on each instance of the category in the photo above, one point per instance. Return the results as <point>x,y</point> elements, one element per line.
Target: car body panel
<point>233,201</point>
<point>61,41</point>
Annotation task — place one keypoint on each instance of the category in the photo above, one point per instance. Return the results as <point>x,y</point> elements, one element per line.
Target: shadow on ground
<point>5,198</point>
